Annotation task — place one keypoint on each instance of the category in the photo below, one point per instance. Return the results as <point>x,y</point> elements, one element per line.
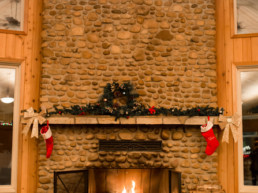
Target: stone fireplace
<point>165,48</point>
<point>77,147</point>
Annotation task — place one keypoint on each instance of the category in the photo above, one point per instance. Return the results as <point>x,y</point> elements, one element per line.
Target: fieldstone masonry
<point>76,147</point>
<point>166,48</point>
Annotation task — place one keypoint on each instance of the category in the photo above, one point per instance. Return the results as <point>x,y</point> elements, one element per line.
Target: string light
<point>6,124</point>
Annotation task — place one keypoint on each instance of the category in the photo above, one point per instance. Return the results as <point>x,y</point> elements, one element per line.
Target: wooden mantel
<point>137,120</point>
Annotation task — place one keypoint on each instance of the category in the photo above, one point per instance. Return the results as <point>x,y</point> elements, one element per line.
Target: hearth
<point>99,180</point>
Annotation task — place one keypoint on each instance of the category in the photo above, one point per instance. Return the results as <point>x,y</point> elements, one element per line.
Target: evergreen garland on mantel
<point>120,101</point>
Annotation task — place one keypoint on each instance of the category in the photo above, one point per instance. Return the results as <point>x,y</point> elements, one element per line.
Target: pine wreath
<point>119,100</point>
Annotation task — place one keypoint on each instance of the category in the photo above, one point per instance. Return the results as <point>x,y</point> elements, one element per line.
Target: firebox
<point>150,180</point>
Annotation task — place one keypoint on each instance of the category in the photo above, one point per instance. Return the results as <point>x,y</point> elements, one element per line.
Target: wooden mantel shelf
<point>137,120</point>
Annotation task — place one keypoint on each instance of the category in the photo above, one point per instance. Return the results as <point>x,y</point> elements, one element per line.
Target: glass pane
<point>249,84</point>
<point>7,80</point>
<point>246,12</point>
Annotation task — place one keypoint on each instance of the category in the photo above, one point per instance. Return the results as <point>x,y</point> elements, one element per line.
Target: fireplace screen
<point>118,181</point>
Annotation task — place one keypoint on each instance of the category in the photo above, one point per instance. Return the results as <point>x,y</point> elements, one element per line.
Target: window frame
<point>234,33</point>
<point>24,21</point>
<point>12,188</point>
<point>242,188</point>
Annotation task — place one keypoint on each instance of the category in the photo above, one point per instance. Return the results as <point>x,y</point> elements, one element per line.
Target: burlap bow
<point>34,119</point>
<point>232,124</point>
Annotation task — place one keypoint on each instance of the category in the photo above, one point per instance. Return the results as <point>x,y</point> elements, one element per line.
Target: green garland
<point>120,101</point>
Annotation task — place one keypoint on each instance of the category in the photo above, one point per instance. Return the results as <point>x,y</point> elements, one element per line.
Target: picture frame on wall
<point>246,17</point>
<point>12,14</point>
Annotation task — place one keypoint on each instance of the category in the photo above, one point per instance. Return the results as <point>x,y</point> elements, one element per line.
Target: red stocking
<point>47,135</point>
<point>207,133</point>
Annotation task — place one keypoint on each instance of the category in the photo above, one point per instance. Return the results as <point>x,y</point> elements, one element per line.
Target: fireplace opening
<point>151,180</point>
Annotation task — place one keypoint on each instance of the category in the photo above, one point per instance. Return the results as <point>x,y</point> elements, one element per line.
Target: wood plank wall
<point>25,49</point>
<point>231,50</point>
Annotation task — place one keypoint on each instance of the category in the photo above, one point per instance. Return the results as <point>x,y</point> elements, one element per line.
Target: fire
<point>133,184</point>
<point>132,190</point>
<point>124,190</point>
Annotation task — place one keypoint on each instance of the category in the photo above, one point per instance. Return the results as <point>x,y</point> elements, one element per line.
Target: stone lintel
<point>150,120</point>
<point>61,120</point>
<point>171,120</point>
<point>107,120</point>
<point>125,121</point>
<point>86,120</point>
<point>196,120</point>
<point>140,120</point>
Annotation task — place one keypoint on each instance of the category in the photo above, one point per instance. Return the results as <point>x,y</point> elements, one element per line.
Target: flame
<point>133,187</point>
<point>133,184</point>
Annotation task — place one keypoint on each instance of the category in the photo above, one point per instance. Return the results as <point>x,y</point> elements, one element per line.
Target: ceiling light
<point>7,100</point>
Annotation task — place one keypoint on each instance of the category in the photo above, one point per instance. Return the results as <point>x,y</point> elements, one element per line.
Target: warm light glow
<point>133,184</point>
<point>132,190</point>
<point>250,93</point>
<point>7,100</point>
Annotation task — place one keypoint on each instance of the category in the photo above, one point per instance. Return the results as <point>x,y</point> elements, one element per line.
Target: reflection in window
<point>249,85</point>
<point>7,81</point>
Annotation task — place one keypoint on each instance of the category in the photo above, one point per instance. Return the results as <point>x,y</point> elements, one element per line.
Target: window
<point>245,17</point>
<point>9,118</point>
<point>248,146</point>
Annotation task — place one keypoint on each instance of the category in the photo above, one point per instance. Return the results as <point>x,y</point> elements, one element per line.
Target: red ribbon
<point>152,110</point>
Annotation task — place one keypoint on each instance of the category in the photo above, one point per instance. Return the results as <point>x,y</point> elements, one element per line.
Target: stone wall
<point>76,147</point>
<point>166,48</point>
